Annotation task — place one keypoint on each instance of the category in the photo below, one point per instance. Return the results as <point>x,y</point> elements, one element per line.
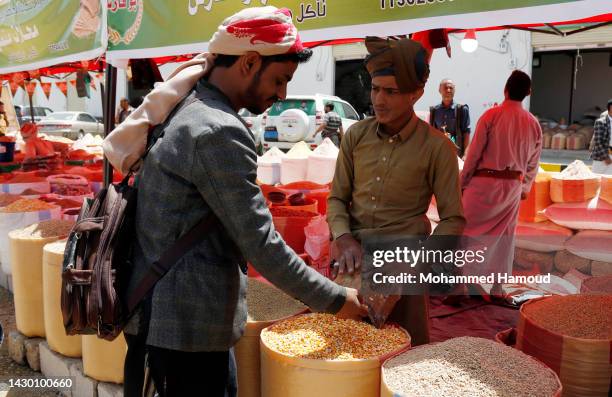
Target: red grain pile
<point>578,316</point>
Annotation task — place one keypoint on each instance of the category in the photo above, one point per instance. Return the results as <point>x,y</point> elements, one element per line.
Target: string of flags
<point>29,83</point>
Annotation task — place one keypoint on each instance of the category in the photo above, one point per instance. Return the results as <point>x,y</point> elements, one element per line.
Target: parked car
<point>297,118</point>
<point>254,123</point>
<point>23,113</point>
<point>72,125</point>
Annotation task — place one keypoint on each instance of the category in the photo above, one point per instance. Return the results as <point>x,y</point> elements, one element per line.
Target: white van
<point>297,117</point>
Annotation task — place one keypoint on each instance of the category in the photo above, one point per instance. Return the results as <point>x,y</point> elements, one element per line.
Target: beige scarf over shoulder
<point>125,145</point>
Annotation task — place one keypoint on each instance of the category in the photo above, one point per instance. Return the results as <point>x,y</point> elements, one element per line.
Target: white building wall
<point>479,77</point>
<point>317,76</point>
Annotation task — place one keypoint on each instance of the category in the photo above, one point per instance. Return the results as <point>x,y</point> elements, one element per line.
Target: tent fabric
<point>474,318</point>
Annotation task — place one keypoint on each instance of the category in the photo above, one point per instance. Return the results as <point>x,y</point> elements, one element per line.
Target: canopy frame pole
<point>599,25</point>
<point>555,29</point>
<point>530,29</point>
<point>31,103</point>
<point>573,83</point>
<point>108,104</point>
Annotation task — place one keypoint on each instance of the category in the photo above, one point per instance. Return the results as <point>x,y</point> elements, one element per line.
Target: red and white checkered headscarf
<point>266,30</point>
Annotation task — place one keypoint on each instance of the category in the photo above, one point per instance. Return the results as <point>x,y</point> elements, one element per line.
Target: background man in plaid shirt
<point>602,145</point>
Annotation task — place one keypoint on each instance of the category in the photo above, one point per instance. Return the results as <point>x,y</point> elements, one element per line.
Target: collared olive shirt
<point>385,183</point>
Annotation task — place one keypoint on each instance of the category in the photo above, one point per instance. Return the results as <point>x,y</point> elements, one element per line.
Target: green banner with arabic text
<point>42,33</point>
<point>139,28</point>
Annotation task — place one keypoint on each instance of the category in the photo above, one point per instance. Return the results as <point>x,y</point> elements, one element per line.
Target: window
<point>61,116</point>
<point>86,118</point>
<point>339,109</point>
<point>37,112</point>
<point>307,105</point>
<point>349,112</point>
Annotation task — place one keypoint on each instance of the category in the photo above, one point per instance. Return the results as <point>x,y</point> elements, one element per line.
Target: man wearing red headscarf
<point>202,164</point>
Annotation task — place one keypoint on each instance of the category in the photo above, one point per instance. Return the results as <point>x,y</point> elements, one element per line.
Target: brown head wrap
<point>405,59</point>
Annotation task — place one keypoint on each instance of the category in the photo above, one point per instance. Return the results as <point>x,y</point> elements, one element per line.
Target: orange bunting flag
<point>63,87</point>
<point>72,83</point>
<point>92,84</point>
<point>14,87</point>
<point>46,87</point>
<point>30,87</point>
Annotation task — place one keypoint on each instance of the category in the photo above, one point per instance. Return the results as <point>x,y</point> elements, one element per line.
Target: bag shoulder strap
<point>169,258</point>
<point>184,244</point>
<point>157,131</point>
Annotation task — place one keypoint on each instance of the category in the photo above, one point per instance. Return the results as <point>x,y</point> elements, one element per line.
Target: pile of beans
<point>6,199</point>
<point>266,303</point>
<point>468,367</point>
<point>326,337</point>
<point>27,205</point>
<point>578,316</point>
<point>45,229</point>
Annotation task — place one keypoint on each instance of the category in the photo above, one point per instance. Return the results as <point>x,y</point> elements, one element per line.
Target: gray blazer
<point>206,161</point>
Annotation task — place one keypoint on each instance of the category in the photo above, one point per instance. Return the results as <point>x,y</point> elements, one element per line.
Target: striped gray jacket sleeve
<point>224,172</point>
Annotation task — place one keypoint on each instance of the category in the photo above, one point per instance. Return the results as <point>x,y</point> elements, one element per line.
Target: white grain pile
<point>577,170</point>
<point>468,367</point>
<point>299,151</point>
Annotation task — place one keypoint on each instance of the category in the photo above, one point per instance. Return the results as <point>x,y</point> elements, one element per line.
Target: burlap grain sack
<point>525,259</point>
<point>601,268</point>
<point>566,261</point>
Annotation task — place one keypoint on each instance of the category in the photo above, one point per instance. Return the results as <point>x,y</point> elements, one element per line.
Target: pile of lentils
<point>468,367</point>
<point>267,303</point>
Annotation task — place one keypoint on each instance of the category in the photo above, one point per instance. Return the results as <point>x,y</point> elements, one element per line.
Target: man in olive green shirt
<point>388,169</point>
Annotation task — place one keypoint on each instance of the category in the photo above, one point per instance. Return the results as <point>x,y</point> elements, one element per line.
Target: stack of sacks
<point>541,237</point>
<point>538,199</point>
<point>593,245</point>
<point>559,141</point>
<point>574,184</point>
<point>269,166</point>
<point>322,163</point>
<point>576,141</point>
<point>547,138</point>
<point>536,244</point>
<point>294,166</point>
<point>595,214</point>
<point>578,207</point>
